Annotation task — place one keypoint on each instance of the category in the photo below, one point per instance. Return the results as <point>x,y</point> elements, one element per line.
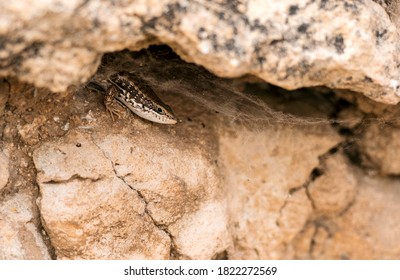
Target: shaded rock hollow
<point>292,44</point>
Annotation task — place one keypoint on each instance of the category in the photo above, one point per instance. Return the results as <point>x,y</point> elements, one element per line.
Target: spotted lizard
<point>133,92</point>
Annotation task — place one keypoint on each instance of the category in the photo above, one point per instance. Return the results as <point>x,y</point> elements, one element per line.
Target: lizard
<point>135,94</point>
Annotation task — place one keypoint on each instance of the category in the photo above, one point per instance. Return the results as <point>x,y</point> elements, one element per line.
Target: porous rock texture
<point>292,44</point>
<point>250,171</point>
<point>19,237</point>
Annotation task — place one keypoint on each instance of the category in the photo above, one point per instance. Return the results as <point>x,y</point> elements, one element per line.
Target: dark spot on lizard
<point>293,9</point>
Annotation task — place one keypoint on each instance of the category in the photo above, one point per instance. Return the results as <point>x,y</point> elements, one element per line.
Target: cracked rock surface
<point>331,194</point>
<point>265,216</point>
<point>292,44</point>
<point>87,210</point>
<point>340,237</point>
<point>250,171</point>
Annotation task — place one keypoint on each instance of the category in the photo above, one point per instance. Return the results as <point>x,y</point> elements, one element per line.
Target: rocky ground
<point>250,171</point>
<point>272,176</point>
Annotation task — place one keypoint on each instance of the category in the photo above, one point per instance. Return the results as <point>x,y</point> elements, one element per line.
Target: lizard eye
<point>159,110</point>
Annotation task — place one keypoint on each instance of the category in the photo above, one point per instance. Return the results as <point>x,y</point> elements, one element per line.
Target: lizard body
<point>134,93</point>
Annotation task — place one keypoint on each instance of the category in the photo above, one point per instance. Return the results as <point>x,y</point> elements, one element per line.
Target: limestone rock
<point>237,177</point>
<point>367,230</point>
<point>209,226</point>
<point>335,189</point>
<point>179,185</point>
<point>4,173</point>
<point>90,213</point>
<point>109,191</point>
<point>374,229</point>
<point>30,132</point>
<point>264,173</point>
<point>291,44</point>
<point>19,236</point>
<point>380,148</point>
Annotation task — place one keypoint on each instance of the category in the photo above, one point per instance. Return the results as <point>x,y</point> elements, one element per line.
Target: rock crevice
<point>289,44</point>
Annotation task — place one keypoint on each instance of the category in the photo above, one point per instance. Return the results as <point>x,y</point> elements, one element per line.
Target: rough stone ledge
<point>236,178</point>
<point>292,43</point>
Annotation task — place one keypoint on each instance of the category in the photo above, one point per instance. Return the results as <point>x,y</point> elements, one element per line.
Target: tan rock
<point>180,186</point>
<point>74,157</point>
<point>110,191</point>
<point>264,172</point>
<point>335,189</point>
<point>4,172</point>
<point>88,212</point>
<point>100,220</point>
<point>380,148</point>
<point>19,236</point>
<point>291,44</point>
<point>234,178</point>
<point>30,131</point>
<point>209,226</point>
<point>367,230</point>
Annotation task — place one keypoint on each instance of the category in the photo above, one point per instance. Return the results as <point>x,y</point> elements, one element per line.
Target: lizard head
<point>157,112</point>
